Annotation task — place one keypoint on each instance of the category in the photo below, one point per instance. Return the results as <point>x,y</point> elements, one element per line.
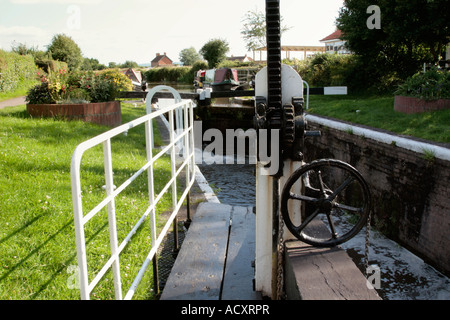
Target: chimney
<point>157,54</point>
<point>165,54</point>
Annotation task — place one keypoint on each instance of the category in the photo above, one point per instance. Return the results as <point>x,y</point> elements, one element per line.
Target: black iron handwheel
<point>331,191</point>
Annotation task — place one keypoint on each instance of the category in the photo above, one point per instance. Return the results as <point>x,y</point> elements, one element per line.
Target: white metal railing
<point>307,94</point>
<point>184,133</point>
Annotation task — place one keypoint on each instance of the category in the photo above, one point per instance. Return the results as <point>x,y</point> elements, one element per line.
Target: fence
<point>181,130</point>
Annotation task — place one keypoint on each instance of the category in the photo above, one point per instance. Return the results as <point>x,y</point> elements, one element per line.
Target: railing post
<point>79,226</point>
<point>187,152</point>
<point>151,196</point>
<point>112,219</point>
<point>173,172</point>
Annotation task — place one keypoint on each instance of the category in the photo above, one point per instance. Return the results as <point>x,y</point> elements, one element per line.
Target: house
<point>334,43</point>
<point>240,58</point>
<point>137,78</point>
<point>161,60</point>
<point>134,75</point>
<point>447,57</point>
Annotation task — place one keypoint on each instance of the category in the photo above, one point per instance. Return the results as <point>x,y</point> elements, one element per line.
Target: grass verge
<point>37,237</point>
<point>378,112</point>
<point>21,91</point>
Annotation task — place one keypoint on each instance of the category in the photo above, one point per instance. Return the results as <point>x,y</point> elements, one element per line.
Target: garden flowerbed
<point>424,91</point>
<point>79,95</point>
<point>103,113</point>
<point>417,105</point>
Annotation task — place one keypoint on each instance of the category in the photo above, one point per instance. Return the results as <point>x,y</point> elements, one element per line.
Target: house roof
<point>334,36</point>
<point>239,58</point>
<point>159,57</point>
<point>131,72</point>
<point>137,75</point>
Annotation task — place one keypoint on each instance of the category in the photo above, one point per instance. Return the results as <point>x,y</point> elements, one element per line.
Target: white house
<point>334,43</point>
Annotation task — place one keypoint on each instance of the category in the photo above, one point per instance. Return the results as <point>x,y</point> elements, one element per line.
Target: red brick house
<point>161,60</point>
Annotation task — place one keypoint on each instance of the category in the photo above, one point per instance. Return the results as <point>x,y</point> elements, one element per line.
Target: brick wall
<point>103,113</point>
<point>410,191</point>
<point>413,105</point>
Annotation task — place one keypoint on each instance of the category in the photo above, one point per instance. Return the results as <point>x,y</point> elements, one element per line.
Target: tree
<point>189,56</point>
<point>63,48</point>
<point>129,64</point>
<point>23,49</point>
<point>92,64</point>
<point>254,30</point>
<point>410,33</point>
<point>214,51</point>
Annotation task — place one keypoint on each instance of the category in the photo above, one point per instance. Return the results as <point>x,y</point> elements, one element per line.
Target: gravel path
<point>12,102</point>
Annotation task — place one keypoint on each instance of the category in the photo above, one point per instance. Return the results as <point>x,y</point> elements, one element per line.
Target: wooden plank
<point>198,270</point>
<point>239,270</point>
<point>323,274</point>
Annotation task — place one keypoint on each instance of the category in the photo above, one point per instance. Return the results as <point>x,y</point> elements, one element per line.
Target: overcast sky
<point>120,30</point>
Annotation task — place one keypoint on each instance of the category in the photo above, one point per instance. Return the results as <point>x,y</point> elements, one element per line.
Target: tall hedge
<point>330,69</point>
<point>166,74</point>
<point>14,69</point>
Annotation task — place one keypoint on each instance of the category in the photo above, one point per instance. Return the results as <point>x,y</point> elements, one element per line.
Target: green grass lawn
<point>378,112</point>
<point>37,239</point>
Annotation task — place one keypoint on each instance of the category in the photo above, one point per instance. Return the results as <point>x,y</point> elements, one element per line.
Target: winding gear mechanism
<point>329,187</point>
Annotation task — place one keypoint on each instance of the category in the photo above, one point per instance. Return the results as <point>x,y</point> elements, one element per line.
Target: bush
<point>39,94</point>
<point>49,65</point>
<point>431,85</point>
<point>327,69</point>
<point>189,76</point>
<point>15,69</point>
<point>79,86</point>
<point>120,81</point>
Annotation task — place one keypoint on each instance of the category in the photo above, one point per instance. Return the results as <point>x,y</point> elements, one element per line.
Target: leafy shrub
<point>49,65</point>
<point>39,94</point>
<point>120,81</point>
<point>75,96</point>
<point>430,85</point>
<point>326,69</point>
<point>79,86</point>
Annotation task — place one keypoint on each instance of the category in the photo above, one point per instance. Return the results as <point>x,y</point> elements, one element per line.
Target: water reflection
<point>234,184</point>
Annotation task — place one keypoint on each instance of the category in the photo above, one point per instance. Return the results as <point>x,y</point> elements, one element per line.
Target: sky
<point>136,30</point>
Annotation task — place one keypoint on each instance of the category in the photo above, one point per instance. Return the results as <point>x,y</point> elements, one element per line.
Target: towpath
<point>12,102</point>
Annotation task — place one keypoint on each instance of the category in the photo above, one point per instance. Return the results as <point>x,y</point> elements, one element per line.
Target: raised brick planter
<point>416,105</point>
<point>103,113</point>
